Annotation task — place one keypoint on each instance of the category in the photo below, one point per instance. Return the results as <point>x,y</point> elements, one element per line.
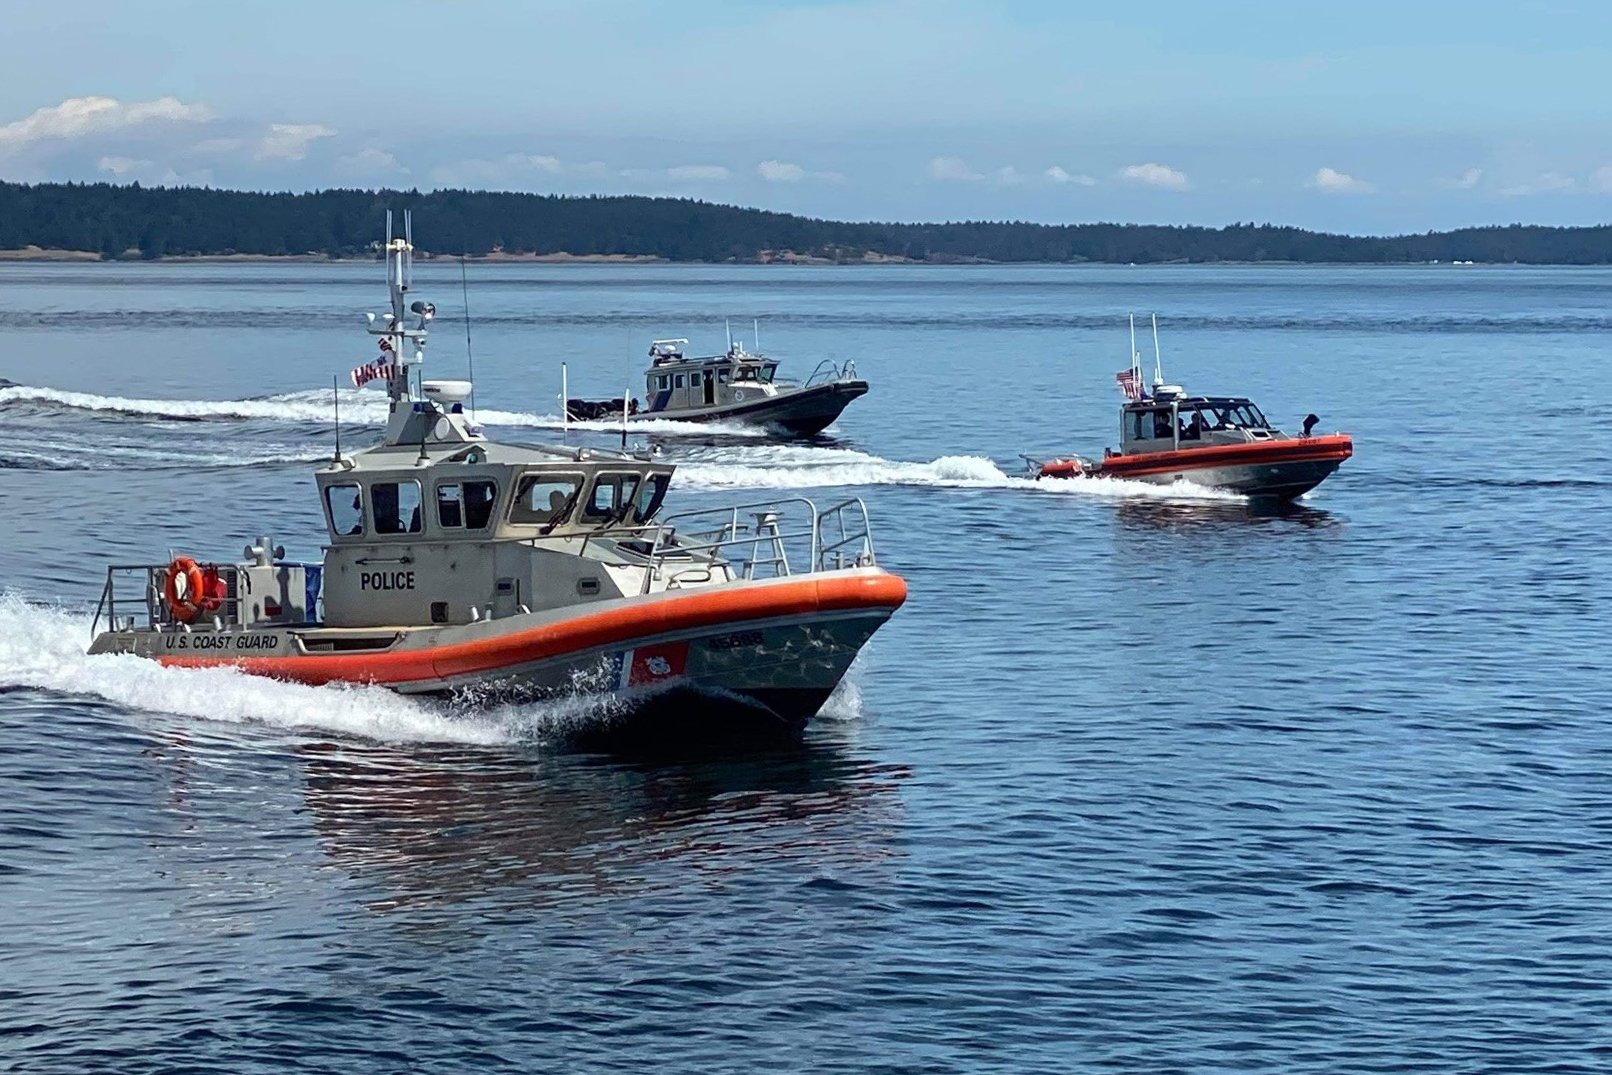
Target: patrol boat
<point>456,564</point>
<point>1221,442</point>
<point>735,386</point>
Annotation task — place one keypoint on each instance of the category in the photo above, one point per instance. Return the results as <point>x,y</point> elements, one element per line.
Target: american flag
<point>371,371</point>
<point>1126,379</point>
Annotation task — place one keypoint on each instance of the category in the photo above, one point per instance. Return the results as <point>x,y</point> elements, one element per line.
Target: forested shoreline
<point>115,221</point>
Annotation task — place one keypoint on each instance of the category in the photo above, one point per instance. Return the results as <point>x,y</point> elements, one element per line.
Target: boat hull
<point>781,644</point>
<point>802,411</point>
<point>1280,469</point>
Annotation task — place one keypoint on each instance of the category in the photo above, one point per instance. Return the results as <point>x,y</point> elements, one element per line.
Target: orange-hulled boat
<point>1220,442</point>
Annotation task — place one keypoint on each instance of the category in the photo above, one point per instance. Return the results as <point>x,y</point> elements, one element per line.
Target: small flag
<point>371,371</point>
<point>1126,379</point>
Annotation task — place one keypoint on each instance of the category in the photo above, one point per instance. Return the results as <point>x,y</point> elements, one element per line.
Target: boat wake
<point>796,467</point>
<point>43,649</point>
<point>358,407</point>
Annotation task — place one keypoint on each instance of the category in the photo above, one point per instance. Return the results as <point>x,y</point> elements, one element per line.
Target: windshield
<point>611,496</point>
<point>650,494</point>
<point>1228,414</point>
<point>545,499</point>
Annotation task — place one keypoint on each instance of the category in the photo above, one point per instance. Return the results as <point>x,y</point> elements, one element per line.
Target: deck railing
<point>755,540</point>
<point>149,580</point>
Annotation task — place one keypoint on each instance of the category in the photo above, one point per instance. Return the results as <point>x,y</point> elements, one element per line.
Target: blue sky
<point>1362,116</point>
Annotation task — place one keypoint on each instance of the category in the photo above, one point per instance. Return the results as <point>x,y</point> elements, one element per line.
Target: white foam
<point>358,406</point>
<point>287,408</point>
<point>845,468</point>
<point>43,649</point>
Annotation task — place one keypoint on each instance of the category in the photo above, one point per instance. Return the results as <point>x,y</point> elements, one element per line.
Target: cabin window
<point>611,496</point>
<point>545,499</point>
<point>465,505</point>
<point>650,494</point>
<point>766,374</point>
<point>663,382</point>
<point>1161,426</point>
<point>346,506</point>
<point>694,380</point>
<point>722,376</point>
<point>396,507</point>
<point>744,374</point>
<point>682,380</point>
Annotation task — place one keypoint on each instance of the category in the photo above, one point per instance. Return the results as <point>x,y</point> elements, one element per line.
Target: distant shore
<point>770,257</point>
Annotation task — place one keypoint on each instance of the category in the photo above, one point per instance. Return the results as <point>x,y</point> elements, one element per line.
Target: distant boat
<point>1221,442</point>
<point>736,386</point>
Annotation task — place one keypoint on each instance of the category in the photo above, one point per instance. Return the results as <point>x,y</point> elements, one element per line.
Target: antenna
<point>756,324</point>
<point>408,239</point>
<point>335,403</point>
<point>729,325</point>
<point>1158,364</point>
<point>1136,358</point>
<point>626,398</point>
<point>470,358</point>
<point>565,403</point>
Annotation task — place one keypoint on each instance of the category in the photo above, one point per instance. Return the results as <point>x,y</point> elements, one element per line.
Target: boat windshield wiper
<point>565,511</point>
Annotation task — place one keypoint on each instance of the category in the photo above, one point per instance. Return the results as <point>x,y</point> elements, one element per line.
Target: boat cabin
<point>480,531</point>
<point>675,381</point>
<point>1171,421</point>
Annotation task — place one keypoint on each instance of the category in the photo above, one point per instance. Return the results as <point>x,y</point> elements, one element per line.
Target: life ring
<point>191,589</point>
<point>738,394</point>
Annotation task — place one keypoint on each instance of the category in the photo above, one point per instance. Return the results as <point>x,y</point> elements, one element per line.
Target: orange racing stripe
<point>691,611</point>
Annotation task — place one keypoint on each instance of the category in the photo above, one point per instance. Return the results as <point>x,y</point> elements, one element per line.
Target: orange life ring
<point>203,590</point>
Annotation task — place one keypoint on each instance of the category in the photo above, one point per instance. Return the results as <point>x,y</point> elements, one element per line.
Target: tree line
<point>119,221</point>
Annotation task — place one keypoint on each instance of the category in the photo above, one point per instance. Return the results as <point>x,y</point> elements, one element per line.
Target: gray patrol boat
<point>735,386</point>
<point>456,564</point>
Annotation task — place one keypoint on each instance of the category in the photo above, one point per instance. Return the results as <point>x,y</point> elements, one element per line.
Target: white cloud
<point>952,170</point>
<point>290,141</point>
<point>77,117</point>
<point>515,170</point>
<point>1156,175</point>
<point>780,172</point>
<point>1008,176</point>
<point>1465,181</point>
<point>1332,181</point>
<point>128,169</point>
<point>122,166</point>
<point>1056,174</point>
<point>697,172</point>
<point>1601,179</point>
<point>370,163</point>
<point>1545,183</point>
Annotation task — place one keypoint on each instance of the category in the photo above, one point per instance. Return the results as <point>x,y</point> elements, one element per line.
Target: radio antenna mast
<point>470,358</point>
<point>1158,363</point>
<point>335,404</point>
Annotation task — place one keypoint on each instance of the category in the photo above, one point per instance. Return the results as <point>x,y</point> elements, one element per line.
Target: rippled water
<point>1139,779</point>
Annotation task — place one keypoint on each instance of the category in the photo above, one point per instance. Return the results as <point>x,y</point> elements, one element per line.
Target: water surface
<point>1139,779</point>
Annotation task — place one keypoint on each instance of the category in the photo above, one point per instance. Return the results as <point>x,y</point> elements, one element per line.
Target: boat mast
<point>1136,358</point>
<point>1158,363</point>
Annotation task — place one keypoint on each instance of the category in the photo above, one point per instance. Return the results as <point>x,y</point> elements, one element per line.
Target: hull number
<point>735,641</point>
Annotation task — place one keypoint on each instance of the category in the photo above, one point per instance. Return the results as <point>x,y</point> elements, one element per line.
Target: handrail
<point>833,372</point>
<point>717,533</point>
<point>156,610</point>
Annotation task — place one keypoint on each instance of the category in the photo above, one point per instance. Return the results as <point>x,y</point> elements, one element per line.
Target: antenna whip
<point>470,358</point>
